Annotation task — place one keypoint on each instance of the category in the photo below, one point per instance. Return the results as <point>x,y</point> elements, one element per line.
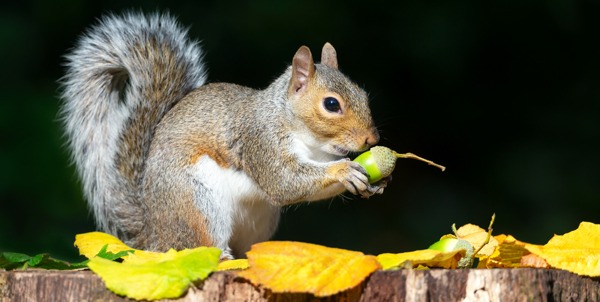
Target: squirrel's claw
<point>378,187</point>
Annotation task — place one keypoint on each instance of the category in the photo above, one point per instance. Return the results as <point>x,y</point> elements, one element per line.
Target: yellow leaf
<point>297,267</point>
<point>577,251</point>
<point>508,253</point>
<point>143,274</point>
<point>477,237</point>
<point>429,258</point>
<point>157,279</point>
<point>89,244</point>
<point>533,260</point>
<point>235,264</point>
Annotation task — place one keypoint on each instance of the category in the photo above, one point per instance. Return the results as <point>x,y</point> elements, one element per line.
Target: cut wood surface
<point>401,285</point>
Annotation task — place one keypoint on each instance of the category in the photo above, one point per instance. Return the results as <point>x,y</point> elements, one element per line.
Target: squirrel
<point>167,160</point>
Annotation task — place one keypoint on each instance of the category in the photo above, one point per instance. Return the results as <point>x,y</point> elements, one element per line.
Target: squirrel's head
<point>331,106</point>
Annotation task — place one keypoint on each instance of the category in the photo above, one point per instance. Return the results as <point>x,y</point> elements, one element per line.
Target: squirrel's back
<point>126,72</point>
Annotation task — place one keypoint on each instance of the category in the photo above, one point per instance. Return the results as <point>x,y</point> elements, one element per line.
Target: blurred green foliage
<point>505,94</point>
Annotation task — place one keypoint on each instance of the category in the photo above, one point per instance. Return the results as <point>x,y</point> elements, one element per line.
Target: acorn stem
<point>413,156</point>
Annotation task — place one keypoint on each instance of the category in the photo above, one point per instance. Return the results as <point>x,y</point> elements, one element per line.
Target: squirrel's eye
<point>331,104</point>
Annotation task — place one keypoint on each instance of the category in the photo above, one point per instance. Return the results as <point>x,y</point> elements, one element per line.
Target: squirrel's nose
<point>372,138</point>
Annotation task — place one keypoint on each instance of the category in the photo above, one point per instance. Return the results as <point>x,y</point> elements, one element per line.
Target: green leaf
<point>35,260</point>
<point>10,261</point>
<point>15,257</point>
<point>112,256</point>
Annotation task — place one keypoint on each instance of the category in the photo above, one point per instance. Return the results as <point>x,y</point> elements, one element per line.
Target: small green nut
<point>453,244</point>
<point>380,162</point>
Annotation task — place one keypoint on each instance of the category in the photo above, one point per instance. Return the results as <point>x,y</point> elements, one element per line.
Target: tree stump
<point>401,285</point>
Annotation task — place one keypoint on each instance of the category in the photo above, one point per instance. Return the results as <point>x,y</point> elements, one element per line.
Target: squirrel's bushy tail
<point>123,75</point>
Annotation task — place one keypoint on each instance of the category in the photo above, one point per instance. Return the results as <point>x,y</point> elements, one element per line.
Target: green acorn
<point>452,244</point>
<point>380,161</point>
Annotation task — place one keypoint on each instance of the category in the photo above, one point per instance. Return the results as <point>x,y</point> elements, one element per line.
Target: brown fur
<point>212,153</point>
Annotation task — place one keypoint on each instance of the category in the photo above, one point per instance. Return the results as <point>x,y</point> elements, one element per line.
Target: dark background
<point>506,94</point>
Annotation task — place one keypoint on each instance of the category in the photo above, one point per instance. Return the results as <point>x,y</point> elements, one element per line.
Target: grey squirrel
<point>168,161</point>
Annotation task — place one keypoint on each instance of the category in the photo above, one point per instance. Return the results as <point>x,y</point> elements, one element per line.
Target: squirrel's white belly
<point>237,210</point>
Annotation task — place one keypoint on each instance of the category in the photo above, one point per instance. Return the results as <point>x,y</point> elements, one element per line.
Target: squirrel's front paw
<point>355,180</point>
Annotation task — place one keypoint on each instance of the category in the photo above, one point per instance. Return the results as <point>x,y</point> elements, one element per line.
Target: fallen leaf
<point>577,251</point>
<point>533,260</point>
<point>429,258</point>
<point>154,279</point>
<point>508,253</point>
<point>477,237</point>
<point>143,274</point>
<point>92,243</point>
<point>10,261</point>
<point>235,264</point>
<point>297,267</point>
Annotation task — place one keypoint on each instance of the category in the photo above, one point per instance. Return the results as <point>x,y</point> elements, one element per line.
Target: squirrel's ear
<point>303,68</point>
<point>329,56</point>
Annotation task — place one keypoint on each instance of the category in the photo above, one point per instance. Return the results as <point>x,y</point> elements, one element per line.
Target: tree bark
<point>401,285</point>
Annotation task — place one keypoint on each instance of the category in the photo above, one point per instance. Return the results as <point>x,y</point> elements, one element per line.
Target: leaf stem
<point>489,234</point>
